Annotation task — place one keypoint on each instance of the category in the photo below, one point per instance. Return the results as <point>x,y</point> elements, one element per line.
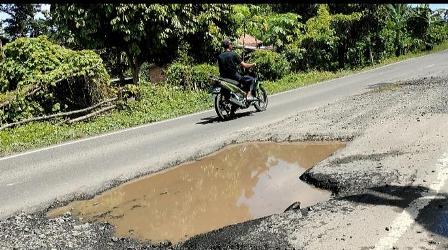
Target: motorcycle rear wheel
<point>223,107</point>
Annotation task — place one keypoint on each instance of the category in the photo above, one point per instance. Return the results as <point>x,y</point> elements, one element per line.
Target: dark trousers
<point>248,83</point>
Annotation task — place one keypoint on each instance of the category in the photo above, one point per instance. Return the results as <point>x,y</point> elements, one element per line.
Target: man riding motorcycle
<point>228,62</point>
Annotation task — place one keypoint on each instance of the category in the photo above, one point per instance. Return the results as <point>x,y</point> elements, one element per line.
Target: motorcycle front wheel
<point>262,103</point>
<point>223,107</point>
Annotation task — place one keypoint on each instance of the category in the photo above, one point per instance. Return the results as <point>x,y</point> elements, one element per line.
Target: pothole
<point>236,184</point>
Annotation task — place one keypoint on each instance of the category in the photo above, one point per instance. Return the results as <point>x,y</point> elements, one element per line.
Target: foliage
<point>130,91</point>
<point>277,29</point>
<point>190,77</point>
<point>320,41</point>
<point>21,22</point>
<point>270,65</point>
<point>66,79</point>
<point>281,29</point>
<point>179,74</point>
<point>305,10</point>
<point>200,74</point>
<point>295,56</point>
<point>397,37</point>
<point>248,17</point>
<point>213,23</point>
<point>145,32</point>
<point>425,27</point>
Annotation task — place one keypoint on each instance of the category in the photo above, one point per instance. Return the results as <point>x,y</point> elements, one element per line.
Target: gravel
<point>392,131</point>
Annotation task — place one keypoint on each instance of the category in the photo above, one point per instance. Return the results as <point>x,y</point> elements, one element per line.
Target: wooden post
<point>244,39</point>
<point>2,55</point>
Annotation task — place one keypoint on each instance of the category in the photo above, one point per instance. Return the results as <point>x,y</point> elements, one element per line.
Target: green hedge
<point>190,77</point>
<point>38,77</point>
<point>294,54</point>
<point>270,65</point>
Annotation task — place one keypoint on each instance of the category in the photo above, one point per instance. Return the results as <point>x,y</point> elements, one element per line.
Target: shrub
<point>200,74</point>
<point>179,74</point>
<point>47,78</point>
<point>144,72</point>
<point>190,77</point>
<point>270,65</point>
<point>294,55</point>
<point>130,91</point>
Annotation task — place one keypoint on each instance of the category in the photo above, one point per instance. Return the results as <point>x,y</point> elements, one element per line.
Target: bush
<point>294,55</point>
<point>179,74</point>
<point>190,77</point>
<point>144,72</point>
<point>47,78</point>
<point>200,74</point>
<point>270,65</point>
<point>319,55</point>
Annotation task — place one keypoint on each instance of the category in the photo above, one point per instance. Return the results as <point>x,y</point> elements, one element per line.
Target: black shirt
<point>228,62</point>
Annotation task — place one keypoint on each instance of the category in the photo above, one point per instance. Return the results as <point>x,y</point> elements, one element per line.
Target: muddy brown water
<point>236,184</point>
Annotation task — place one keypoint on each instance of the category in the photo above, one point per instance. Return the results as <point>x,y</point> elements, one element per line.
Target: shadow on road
<point>215,119</point>
<point>433,217</point>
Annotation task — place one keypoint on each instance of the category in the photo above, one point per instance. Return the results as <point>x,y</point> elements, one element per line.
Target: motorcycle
<point>229,96</point>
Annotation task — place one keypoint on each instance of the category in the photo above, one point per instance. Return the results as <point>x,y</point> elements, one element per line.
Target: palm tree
<point>398,15</point>
<point>425,20</point>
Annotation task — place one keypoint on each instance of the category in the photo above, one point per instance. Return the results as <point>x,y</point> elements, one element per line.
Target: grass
<point>157,103</point>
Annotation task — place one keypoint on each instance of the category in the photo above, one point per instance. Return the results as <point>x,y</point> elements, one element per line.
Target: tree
<point>21,20</point>
<point>398,15</point>
<point>320,41</point>
<point>277,29</point>
<point>305,10</point>
<point>144,32</point>
<point>423,23</point>
<point>282,29</point>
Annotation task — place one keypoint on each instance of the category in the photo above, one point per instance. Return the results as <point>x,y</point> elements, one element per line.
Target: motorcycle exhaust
<point>238,102</point>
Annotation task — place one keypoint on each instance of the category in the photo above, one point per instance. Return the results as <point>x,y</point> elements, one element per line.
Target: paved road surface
<point>33,179</point>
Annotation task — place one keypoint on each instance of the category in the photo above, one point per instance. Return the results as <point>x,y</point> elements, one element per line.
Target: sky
<point>47,7</point>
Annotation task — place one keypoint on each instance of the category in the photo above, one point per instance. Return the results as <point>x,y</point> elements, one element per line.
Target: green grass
<point>157,103</point>
<point>296,80</point>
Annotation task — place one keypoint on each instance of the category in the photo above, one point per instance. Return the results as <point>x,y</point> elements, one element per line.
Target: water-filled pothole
<point>235,184</point>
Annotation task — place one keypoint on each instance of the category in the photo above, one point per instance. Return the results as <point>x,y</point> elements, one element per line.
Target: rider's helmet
<point>226,43</point>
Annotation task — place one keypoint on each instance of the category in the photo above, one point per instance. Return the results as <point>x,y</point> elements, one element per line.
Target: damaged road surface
<point>389,182</point>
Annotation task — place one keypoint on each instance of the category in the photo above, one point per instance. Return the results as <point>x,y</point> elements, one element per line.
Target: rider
<point>228,62</point>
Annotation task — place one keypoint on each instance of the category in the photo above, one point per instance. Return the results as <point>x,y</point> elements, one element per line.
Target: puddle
<point>236,184</point>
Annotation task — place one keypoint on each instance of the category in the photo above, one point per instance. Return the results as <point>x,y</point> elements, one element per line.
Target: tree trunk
<point>135,73</point>
<point>2,55</point>
<point>341,56</point>
<point>135,67</point>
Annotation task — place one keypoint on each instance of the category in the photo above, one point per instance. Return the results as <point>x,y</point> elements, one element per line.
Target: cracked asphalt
<point>396,136</point>
<point>388,183</point>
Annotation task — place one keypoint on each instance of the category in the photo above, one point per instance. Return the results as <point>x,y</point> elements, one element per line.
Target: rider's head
<point>227,44</point>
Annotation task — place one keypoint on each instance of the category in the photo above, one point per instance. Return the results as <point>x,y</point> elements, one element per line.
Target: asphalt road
<point>34,179</point>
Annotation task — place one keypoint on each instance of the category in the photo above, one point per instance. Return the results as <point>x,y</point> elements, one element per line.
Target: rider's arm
<point>247,65</point>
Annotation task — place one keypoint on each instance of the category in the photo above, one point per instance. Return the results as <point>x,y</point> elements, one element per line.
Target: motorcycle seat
<point>236,83</point>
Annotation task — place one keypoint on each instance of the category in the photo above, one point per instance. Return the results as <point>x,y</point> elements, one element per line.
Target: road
<point>32,180</point>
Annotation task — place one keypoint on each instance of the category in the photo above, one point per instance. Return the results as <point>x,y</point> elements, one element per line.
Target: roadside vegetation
<point>55,72</point>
